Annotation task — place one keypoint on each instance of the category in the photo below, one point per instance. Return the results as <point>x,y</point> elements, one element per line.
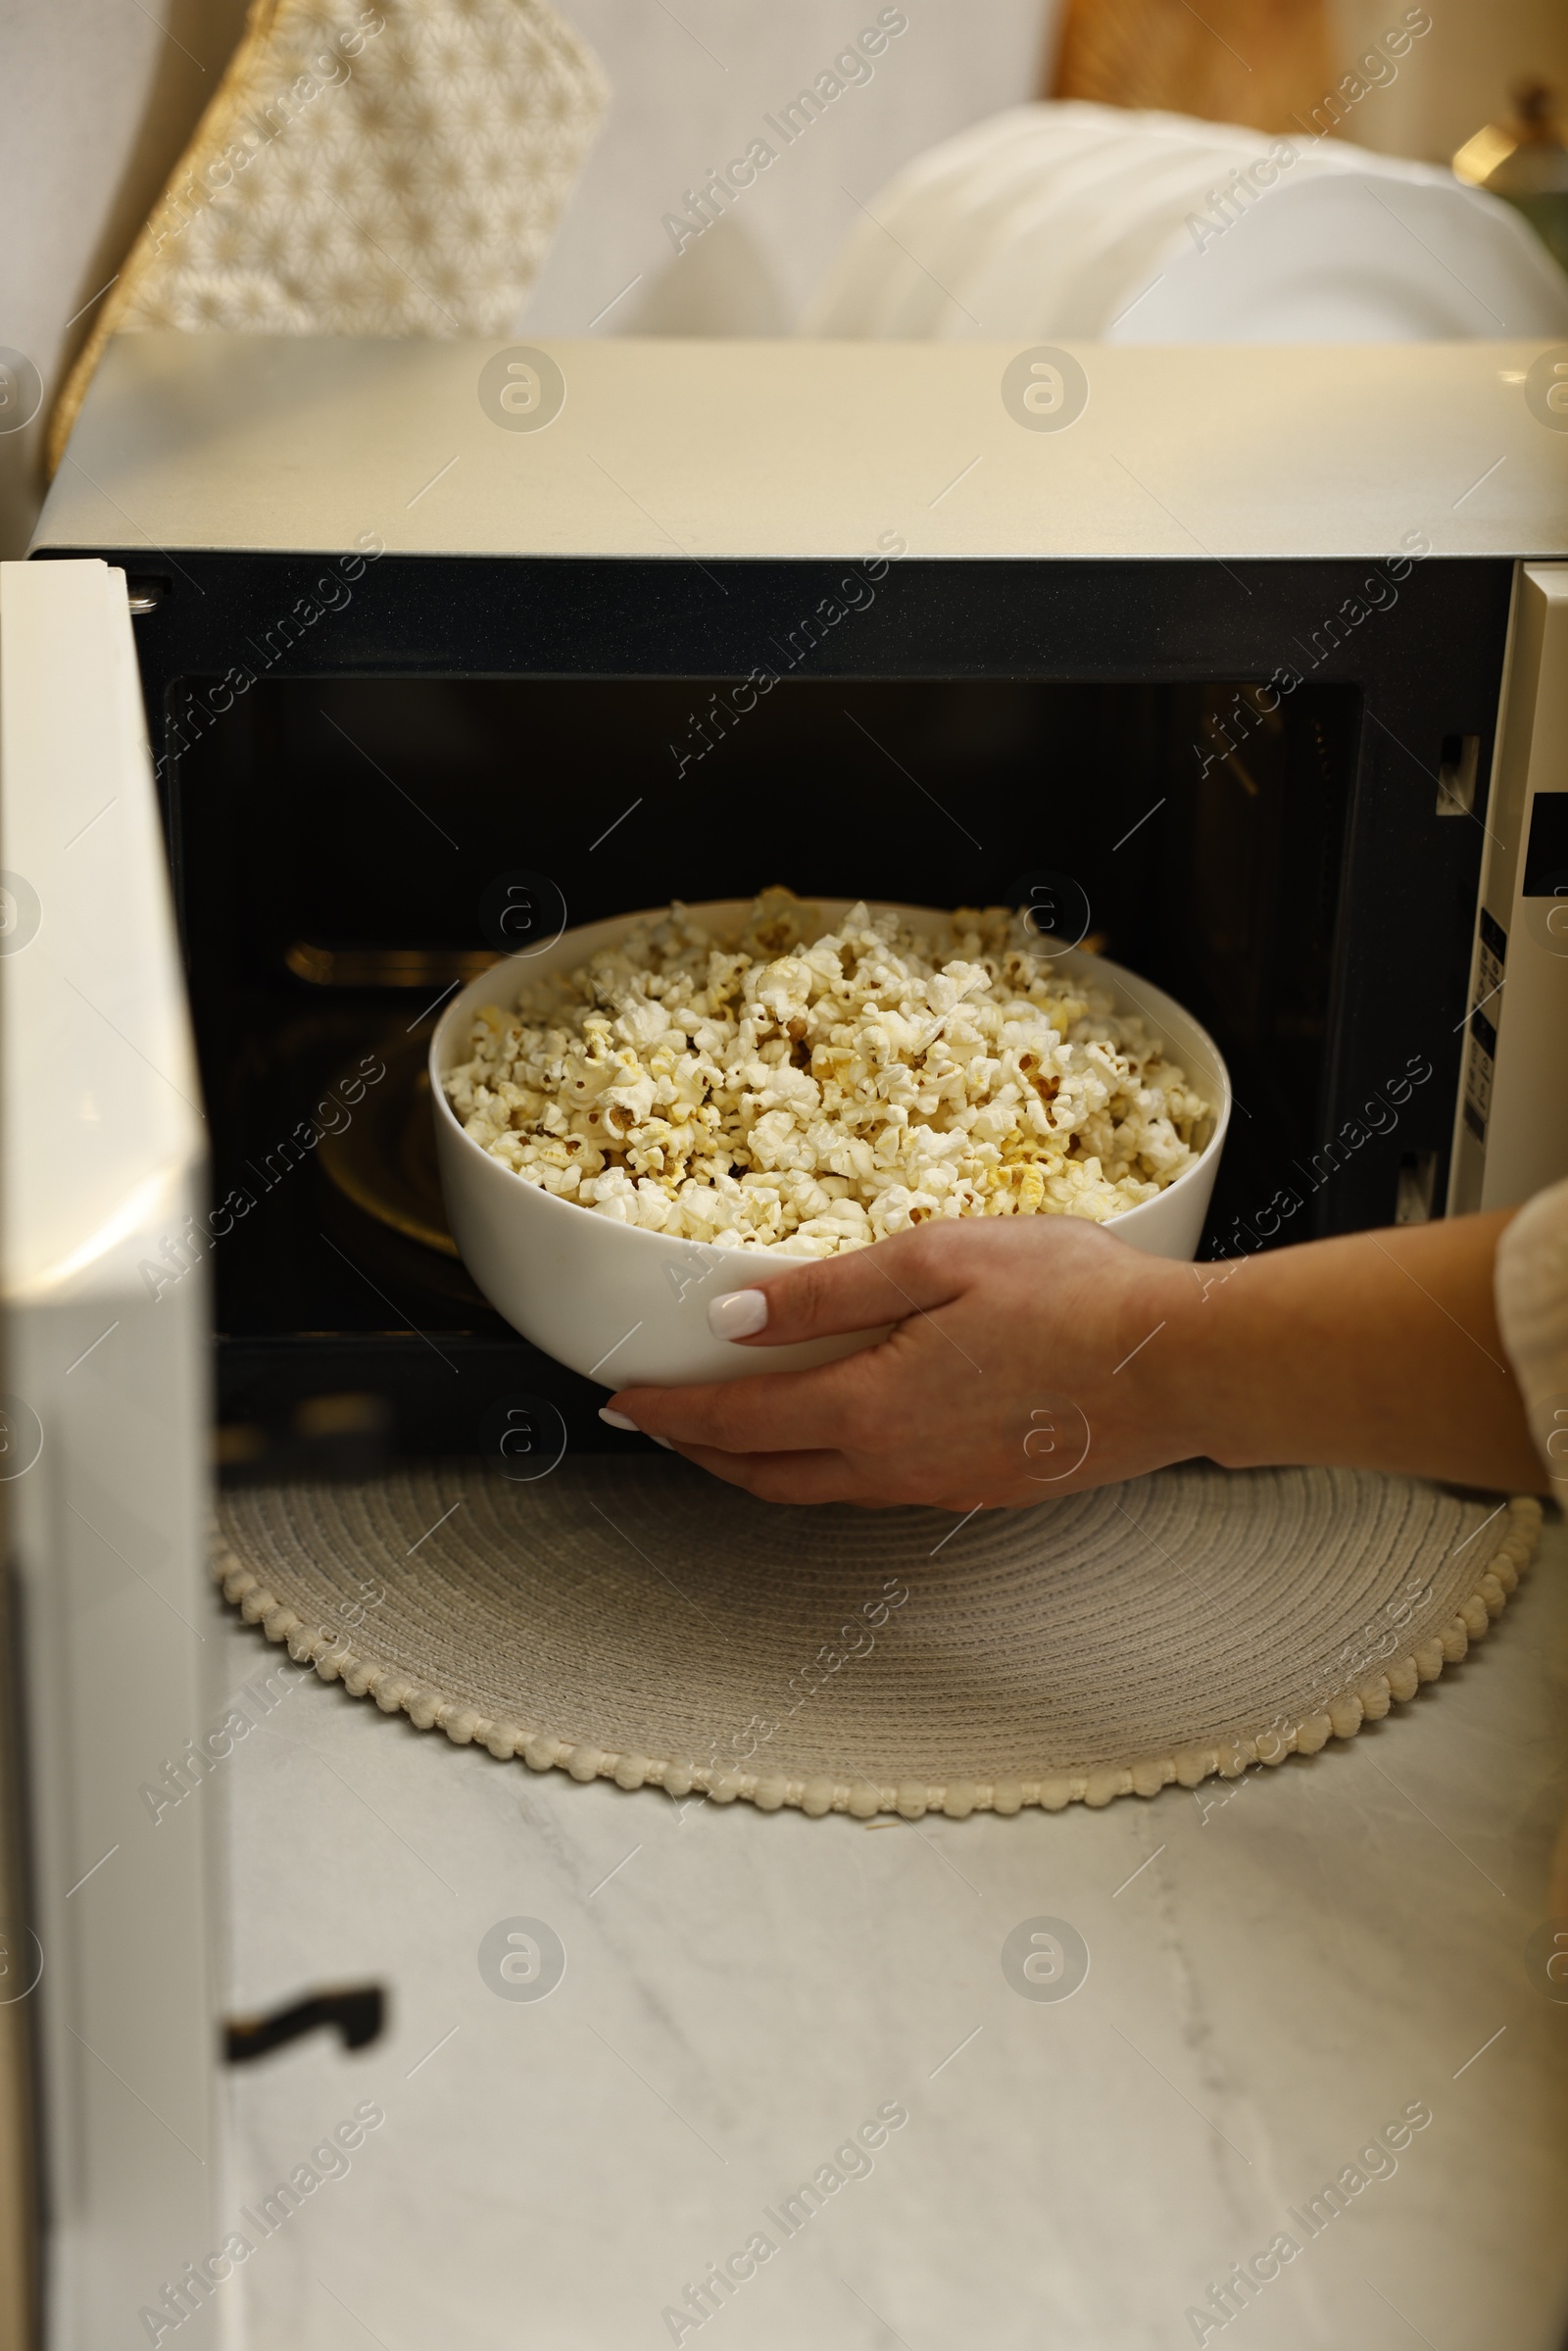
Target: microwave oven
<point>341,667</point>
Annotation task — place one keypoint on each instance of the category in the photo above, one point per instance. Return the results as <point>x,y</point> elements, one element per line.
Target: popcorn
<point>814,1091</point>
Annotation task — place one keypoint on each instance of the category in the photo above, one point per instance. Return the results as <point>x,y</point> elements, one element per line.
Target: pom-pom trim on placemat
<point>1368,1701</point>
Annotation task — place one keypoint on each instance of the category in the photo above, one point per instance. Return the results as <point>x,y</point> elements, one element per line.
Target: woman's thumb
<point>820,1298</point>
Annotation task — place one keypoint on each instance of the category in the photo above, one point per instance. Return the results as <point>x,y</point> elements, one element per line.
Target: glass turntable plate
<point>384,1162</point>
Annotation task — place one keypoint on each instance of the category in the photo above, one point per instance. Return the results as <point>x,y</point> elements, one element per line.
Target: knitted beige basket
<point>637,1621</point>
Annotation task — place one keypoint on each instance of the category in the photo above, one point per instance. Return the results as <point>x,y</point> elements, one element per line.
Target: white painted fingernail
<point>618,1420</point>
<point>739,1315</point>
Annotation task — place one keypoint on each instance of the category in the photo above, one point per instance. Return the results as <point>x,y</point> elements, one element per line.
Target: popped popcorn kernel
<point>812,1091</point>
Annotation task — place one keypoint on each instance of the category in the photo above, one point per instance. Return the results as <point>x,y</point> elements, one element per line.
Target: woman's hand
<point>1036,1356</point>
<point>1011,1373</point>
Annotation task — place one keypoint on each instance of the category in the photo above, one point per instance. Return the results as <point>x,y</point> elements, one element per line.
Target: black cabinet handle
<point>357,2013</point>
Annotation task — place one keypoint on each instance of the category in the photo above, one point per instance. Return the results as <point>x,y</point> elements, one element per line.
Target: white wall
<point>97,99</point>
<point>691,93</point>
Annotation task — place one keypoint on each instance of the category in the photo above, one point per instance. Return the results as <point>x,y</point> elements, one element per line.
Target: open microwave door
<point>106,2017</point>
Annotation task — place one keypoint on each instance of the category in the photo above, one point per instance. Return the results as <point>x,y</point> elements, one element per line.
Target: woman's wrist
<point>1175,1364</point>
<point>1229,1368</point>
<point>1376,1350</point>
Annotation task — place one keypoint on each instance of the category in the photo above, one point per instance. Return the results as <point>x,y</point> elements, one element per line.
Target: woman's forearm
<point>1380,1351</point>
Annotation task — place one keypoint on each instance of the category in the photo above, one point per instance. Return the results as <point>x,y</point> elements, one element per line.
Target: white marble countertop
<point>1278,1969</point>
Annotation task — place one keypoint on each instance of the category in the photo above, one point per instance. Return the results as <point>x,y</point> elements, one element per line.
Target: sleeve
<point>1531,1294</point>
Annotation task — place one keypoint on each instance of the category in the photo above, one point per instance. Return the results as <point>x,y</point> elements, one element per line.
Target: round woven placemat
<point>638,1621</point>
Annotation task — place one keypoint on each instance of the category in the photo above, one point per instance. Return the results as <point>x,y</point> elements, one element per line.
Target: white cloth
<point>1532,1294</point>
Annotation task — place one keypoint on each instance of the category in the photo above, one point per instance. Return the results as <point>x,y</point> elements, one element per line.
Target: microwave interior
<point>351,840</point>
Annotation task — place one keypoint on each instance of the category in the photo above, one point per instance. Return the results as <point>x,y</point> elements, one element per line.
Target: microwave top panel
<point>643,447</point>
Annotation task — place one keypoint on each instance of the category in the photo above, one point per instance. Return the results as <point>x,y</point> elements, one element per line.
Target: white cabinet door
<point>105,1472</point>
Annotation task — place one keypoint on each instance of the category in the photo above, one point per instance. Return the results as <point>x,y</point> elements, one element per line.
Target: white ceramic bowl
<point>629,1307</point>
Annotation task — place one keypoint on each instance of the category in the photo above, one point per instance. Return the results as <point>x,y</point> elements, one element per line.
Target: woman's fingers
<point>829,1477</point>
<point>826,1296</point>
<point>780,1412</point>
<point>817,1477</point>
